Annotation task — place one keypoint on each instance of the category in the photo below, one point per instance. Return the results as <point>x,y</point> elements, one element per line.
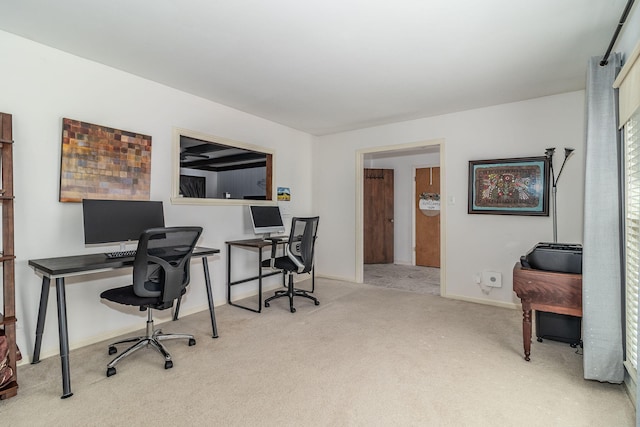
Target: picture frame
<point>193,186</point>
<point>284,194</point>
<point>515,186</point>
<point>101,162</point>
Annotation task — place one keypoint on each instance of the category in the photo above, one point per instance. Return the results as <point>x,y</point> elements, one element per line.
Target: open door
<point>378,216</point>
<point>427,221</point>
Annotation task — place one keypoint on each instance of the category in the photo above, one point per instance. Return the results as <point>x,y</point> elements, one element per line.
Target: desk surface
<point>78,263</point>
<point>257,242</point>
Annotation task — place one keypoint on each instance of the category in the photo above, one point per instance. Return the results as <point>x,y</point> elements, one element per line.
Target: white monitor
<point>266,220</point>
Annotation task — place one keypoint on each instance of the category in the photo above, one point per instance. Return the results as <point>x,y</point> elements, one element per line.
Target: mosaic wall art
<point>99,162</point>
<point>509,186</point>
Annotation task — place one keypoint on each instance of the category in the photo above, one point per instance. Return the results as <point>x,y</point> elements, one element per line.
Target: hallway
<point>424,280</point>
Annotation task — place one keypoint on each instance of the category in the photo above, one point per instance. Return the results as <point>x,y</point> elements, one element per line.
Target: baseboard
<point>338,278</point>
<point>631,387</point>
<point>501,304</point>
<point>160,319</point>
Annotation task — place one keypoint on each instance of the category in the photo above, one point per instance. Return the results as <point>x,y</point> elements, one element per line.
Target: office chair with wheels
<point>160,276</point>
<point>298,258</point>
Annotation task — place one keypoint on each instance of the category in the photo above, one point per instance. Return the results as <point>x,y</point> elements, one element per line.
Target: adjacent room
<point>371,212</point>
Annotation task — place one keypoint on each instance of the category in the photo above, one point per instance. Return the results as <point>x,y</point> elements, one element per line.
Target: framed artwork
<point>284,194</point>
<point>516,186</point>
<point>100,162</point>
<point>193,186</point>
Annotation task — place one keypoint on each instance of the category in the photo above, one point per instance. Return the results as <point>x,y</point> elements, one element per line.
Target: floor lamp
<point>554,185</point>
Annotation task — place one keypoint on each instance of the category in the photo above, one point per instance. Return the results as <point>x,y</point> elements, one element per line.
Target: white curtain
<point>601,275</point>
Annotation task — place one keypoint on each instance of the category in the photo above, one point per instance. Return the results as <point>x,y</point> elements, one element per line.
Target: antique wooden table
<point>548,291</point>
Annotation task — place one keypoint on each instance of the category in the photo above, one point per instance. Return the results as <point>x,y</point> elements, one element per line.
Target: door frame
<point>359,220</point>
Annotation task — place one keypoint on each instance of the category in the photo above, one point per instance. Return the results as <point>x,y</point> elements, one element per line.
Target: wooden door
<point>378,216</point>
<point>427,227</point>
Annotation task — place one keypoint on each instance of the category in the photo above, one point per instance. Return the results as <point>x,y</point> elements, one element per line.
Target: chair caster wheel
<point>113,350</point>
<point>293,310</point>
<point>266,304</point>
<point>192,341</point>
<point>111,372</point>
<point>168,364</point>
<point>316,302</point>
<point>539,339</point>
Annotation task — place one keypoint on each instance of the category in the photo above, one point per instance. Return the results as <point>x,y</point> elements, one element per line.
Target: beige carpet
<point>414,278</point>
<point>367,356</point>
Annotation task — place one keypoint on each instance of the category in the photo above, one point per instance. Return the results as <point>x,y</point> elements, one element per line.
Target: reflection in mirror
<point>220,169</point>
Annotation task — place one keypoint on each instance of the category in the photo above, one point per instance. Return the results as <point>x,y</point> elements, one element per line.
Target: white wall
<point>474,243</point>
<point>40,86</point>
<point>630,34</point>
<point>403,192</point>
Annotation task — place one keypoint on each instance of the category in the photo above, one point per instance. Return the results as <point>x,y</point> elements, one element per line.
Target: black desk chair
<point>160,276</point>
<point>298,258</point>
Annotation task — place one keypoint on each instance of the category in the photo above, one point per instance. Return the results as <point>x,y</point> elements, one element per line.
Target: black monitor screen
<point>266,219</point>
<point>114,221</point>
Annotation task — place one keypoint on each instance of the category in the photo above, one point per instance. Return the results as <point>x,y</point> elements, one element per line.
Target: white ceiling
<point>325,66</point>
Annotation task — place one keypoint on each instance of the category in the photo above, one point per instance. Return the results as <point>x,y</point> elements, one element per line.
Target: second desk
<point>256,245</point>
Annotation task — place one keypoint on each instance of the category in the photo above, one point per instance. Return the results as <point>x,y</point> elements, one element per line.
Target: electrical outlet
<point>492,279</point>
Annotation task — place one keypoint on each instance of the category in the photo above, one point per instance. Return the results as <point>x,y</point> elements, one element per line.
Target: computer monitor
<point>266,220</point>
<point>119,221</point>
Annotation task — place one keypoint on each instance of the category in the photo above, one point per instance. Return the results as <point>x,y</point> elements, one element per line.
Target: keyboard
<point>279,238</point>
<point>120,254</point>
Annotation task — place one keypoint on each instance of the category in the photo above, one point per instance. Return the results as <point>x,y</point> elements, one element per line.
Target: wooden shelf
<point>7,257</point>
<point>7,320</point>
<point>9,390</point>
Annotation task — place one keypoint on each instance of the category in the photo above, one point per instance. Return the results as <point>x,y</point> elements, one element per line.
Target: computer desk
<point>61,267</point>
<point>258,244</point>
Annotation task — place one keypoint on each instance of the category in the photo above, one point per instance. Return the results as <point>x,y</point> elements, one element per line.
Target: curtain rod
<point>623,18</point>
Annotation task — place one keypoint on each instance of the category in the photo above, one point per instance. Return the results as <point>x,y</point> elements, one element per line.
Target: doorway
<point>378,216</point>
<point>403,159</point>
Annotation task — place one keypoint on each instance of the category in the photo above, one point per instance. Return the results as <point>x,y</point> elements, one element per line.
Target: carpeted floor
<point>366,356</point>
<point>424,280</point>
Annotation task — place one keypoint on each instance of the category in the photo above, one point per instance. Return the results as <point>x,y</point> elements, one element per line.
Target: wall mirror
<point>216,170</point>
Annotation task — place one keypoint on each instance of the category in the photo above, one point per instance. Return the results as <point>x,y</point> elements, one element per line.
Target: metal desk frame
<point>258,244</point>
<point>59,268</point>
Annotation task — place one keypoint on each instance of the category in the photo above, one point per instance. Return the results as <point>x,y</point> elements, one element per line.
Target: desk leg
<point>228,274</point>
<point>258,277</point>
<point>42,314</point>
<point>259,280</point>
<point>526,329</point>
<point>64,338</point>
<point>207,280</point>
